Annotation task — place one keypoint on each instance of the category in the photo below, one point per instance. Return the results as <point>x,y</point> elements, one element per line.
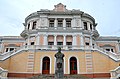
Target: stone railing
<point>3,73</point>
<point>6,55</point>
<point>115,74</point>
<point>112,55</point>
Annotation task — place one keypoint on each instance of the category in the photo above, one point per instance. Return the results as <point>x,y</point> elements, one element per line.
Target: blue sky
<point>105,12</point>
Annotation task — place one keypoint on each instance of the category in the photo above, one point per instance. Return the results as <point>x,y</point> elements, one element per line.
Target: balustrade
<point>115,74</point>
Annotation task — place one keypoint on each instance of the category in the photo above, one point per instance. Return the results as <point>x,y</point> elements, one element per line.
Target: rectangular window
<point>90,26</point>
<point>32,43</point>
<point>34,25</point>
<point>50,43</point>
<point>60,23</point>
<point>69,44</point>
<point>112,50</point>
<point>6,49</point>
<point>68,23</point>
<point>28,26</point>
<point>87,43</point>
<point>85,25</point>
<point>108,49</point>
<point>51,23</point>
<point>59,43</point>
<point>11,49</point>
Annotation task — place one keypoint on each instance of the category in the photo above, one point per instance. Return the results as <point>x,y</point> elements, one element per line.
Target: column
<point>55,22</point>
<point>1,47</point>
<point>64,23</point>
<point>74,42</point>
<point>64,42</point>
<point>31,25</point>
<point>55,41</point>
<point>48,22</point>
<point>88,26</point>
<point>118,46</point>
<point>81,26</point>
<point>81,41</point>
<point>91,42</point>
<point>28,40</point>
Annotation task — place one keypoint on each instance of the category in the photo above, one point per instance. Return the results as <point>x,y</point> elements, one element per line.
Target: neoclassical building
<point>86,52</point>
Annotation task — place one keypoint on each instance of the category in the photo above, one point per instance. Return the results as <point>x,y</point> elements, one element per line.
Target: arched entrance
<point>73,65</point>
<point>46,65</point>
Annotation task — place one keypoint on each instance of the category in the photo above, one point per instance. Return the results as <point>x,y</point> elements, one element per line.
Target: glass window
<point>87,43</point>
<point>60,23</point>
<point>50,43</point>
<point>90,26</point>
<point>68,23</point>
<point>34,25</point>
<point>85,25</point>
<point>11,49</point>
<point>59,43</point>
<point>32,43</point>
<point>6,49</point>
<point>108,49</point>
<point>28,26</point>
<point>51,23</point>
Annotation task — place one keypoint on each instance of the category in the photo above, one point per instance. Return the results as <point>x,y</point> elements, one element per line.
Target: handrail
<point>112,55</point>
<point>115,73</point>
<point>3,73</point>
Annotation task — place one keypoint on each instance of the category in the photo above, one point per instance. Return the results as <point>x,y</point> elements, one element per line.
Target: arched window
<point>46,65</point>
<point>73,65</point>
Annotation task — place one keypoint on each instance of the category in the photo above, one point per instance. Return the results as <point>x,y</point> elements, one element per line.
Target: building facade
<point>74,31</point>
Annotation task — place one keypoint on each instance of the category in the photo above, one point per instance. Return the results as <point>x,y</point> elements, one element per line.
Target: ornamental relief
<point>43,21</point>
<point>77,22</point>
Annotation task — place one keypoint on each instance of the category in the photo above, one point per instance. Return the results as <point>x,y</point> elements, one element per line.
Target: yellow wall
<point>18,62</point>
<point>103,63</point>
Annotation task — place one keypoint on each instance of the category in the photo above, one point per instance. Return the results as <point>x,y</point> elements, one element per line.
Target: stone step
<point>65,77</point>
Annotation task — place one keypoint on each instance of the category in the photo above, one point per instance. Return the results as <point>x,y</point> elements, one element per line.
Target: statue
<point>59,73</point>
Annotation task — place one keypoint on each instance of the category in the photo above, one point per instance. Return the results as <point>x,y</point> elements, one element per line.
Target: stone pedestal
<point>59,74</point>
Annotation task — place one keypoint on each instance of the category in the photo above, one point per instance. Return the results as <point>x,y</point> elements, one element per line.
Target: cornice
<point>52,12</point>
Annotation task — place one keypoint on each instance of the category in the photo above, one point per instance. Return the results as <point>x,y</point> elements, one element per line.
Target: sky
<point>105,12</point>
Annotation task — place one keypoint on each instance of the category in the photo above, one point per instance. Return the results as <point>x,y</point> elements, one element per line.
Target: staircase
<point>65,77</point>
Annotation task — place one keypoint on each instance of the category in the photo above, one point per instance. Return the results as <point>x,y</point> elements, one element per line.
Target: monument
<point>59,73</point>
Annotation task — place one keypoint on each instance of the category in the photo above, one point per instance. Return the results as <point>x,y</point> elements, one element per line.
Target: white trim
<point>54,64</point>
<point>41,59</point>
<point>64,66</point>
<point>78,72</point>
